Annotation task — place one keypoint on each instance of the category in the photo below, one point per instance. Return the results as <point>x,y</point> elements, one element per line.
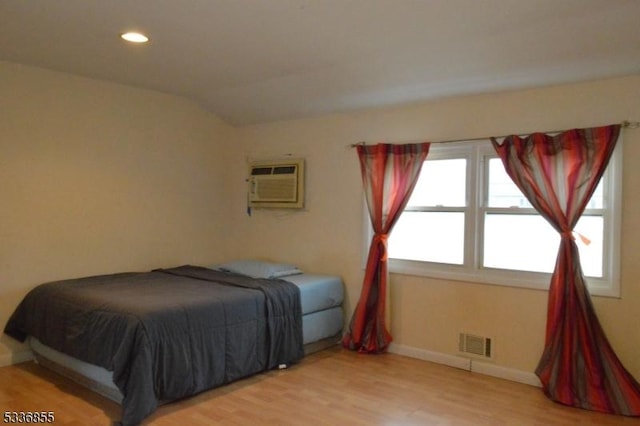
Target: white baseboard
<point>467,364</point>
<point>437,357</point>
<point>506,373</point>
<point>15,358</point>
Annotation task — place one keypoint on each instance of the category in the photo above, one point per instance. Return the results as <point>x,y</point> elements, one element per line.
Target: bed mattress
<point>318,292</point>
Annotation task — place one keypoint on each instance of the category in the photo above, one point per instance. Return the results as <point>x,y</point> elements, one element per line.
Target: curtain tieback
<point>382,239</point>
<point>572,235</point>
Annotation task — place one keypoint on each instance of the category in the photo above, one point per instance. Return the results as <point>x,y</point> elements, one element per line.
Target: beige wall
<point>428,313</point>
<point>99,178</point>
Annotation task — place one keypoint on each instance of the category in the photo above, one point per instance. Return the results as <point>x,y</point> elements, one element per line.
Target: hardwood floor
<point>332,387</point>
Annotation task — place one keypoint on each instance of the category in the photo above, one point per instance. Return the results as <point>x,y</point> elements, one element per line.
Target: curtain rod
<point>625,125</point>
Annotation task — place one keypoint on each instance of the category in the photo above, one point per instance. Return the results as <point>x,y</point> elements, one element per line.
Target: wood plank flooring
<point>332,387</point>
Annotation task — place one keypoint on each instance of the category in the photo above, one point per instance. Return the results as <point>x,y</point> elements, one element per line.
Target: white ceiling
<point>252,61</point>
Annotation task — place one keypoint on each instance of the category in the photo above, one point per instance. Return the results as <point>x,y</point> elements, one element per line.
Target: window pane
<point>428,236</point>
<point>502,191</point>
<point>441,183</point>
<point>529,243</point>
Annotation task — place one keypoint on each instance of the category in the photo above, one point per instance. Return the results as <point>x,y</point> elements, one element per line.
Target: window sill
<point>500,277</point>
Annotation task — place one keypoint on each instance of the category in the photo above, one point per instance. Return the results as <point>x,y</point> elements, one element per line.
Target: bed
<point>146,338</point>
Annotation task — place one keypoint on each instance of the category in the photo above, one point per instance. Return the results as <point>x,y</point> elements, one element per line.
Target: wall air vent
<point>277,184</point>
<point>475,346</point>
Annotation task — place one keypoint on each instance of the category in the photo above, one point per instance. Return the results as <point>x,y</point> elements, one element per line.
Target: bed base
<point>111,392</point>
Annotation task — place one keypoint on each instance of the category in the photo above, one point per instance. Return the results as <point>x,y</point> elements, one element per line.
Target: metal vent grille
<point>477,346</point>
<point>277,189</point>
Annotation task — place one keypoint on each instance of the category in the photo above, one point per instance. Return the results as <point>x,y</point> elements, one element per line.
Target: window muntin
<point>495,236</point>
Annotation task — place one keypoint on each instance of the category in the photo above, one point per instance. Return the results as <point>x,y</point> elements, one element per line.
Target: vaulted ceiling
<point>253,61</point>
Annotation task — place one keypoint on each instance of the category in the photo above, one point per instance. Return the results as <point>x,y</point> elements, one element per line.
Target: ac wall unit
<point>277,184</point>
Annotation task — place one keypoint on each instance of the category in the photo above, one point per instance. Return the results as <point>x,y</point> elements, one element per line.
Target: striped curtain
<point>389,174</point>
<point>558,174</point>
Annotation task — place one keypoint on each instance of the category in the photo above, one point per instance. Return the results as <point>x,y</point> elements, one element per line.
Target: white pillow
<point>259,269</point>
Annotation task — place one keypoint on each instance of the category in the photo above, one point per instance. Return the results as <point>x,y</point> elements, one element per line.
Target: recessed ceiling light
<point>135,37</point>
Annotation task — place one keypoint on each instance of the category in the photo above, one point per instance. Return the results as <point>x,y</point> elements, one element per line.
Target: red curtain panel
<point>389,174</point>
<point>558,175</point>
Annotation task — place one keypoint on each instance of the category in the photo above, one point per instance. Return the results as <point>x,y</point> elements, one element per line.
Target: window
<point>466,220</point>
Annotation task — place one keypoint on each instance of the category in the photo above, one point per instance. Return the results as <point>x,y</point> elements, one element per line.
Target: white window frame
<point>472,270</point>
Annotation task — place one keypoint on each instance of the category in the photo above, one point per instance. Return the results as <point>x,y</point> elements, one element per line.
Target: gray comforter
<point>168,333</point>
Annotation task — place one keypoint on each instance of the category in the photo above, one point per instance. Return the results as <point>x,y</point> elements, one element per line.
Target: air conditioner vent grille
<point>277,189</point>
<point>474,345</point>
<point>284,170</point>
<point>259,171</point>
